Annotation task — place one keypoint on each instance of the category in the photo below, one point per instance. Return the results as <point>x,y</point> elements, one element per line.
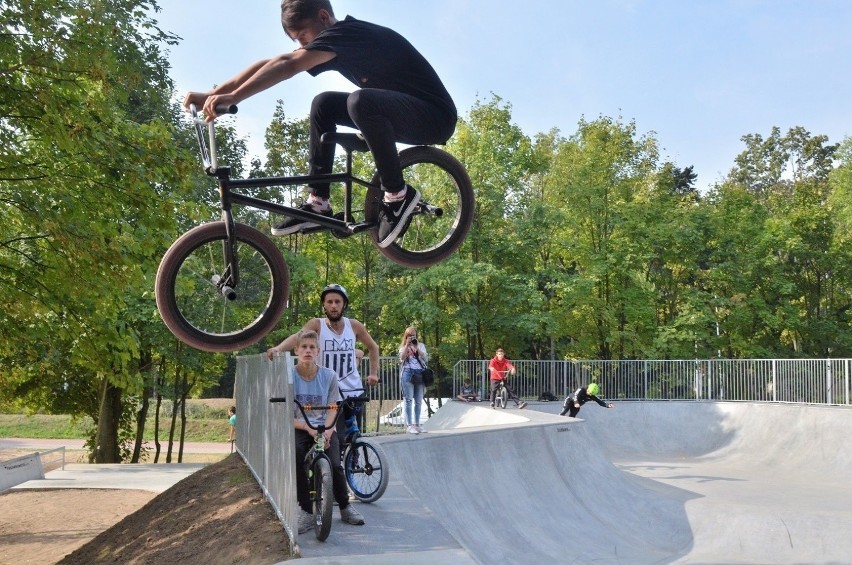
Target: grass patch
<point>44,426</point>
<point>240,477</point>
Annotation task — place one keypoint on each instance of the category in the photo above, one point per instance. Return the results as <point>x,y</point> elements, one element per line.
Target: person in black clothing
<point>400,99</point>
<point>574,401</point>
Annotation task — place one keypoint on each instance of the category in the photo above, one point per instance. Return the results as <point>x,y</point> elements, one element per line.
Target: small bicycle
<point>503,395</point>
<point>318,469</point>
<point>361,459</point>
<point>223,286</point>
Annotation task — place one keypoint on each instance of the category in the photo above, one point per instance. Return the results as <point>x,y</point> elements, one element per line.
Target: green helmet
<point>593,389</point>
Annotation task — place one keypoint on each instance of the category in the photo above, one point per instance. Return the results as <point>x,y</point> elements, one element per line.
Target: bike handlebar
<point>351,400</point>
<point>208,157</point>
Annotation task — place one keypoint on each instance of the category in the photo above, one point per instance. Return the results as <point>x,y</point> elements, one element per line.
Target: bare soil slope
<point>216,515</point>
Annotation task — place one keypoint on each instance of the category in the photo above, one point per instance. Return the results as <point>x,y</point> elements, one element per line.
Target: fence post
<point>774,380</point>
<point>828,382</point>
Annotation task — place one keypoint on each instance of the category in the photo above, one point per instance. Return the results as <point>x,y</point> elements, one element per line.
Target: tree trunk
<point>183,395</point>
<point>142,414</point>
<point>160,382</point>
<point>141,419</point>
<point>175,406</point>
<point>157,427</point>
<point>109,417</point>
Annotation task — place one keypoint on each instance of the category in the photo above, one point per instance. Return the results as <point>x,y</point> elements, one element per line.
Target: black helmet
<point>339,290</point>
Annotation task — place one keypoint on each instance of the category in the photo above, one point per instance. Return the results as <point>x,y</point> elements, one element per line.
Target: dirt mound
<point>216,515</point>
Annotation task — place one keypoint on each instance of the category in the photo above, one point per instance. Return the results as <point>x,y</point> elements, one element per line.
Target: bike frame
<point>228,197</point>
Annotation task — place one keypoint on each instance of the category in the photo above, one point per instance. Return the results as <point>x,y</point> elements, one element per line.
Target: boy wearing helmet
<point>337,338</point>
<point>580,396</point>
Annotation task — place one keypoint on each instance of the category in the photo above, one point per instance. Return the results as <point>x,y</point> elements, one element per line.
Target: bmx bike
<point>223,286</point>
<point>319,471</point>
<point>364,462</point>
<point>503,395</point>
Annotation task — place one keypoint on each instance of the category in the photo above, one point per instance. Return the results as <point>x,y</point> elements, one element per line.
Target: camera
<point>412,340</point>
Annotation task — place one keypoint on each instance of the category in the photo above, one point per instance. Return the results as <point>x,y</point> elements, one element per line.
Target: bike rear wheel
<point>323,502</point>
<point>366,469</point>
<point>196,310</point>
<point>440,223</point>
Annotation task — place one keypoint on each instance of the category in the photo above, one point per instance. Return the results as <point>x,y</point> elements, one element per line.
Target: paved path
<point>144,476</point>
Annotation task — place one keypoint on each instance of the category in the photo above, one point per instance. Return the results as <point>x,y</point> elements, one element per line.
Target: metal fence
<point>265,432</point>
<point>816,381</point>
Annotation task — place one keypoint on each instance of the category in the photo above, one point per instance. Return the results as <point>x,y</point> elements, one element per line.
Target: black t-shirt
<point>372,56</point>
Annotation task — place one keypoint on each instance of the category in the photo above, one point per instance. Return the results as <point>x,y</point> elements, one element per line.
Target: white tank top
<point>338,354</point>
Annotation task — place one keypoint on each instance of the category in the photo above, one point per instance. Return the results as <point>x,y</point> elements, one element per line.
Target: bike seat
<point>349,141</point>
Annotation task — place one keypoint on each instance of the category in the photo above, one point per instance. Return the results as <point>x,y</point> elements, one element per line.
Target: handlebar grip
<point>278,399</point>
<point>226,109</point>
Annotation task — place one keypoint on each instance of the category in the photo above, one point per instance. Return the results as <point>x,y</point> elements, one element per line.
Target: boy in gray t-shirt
<point>317,386</point>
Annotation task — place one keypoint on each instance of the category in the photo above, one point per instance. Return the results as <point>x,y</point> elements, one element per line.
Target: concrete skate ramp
<point>646,482</point>
<point>691,482</point>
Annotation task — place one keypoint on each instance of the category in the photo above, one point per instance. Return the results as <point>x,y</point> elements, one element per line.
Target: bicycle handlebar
<point>208,157</point>
<point>336,406</point>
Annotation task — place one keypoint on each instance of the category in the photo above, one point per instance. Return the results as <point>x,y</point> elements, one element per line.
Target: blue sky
<point>699,74</point>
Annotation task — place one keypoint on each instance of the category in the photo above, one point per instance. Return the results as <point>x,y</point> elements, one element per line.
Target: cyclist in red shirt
<point>500,367</point>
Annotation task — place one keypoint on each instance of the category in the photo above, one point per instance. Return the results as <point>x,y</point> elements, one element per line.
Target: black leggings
<point>384,118</point>
<point>569,408</point>
<point>304,442</point>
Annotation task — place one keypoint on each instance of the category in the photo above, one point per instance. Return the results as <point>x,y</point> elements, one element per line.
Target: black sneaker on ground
<point>393,218</point>
<point>292,225</point>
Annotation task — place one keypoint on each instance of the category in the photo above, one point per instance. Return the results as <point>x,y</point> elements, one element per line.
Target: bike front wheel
<point>208,316</point>
<point>503,397</point>
<point>440,223</point>
<point>366,469</point>
<point>323,502</point>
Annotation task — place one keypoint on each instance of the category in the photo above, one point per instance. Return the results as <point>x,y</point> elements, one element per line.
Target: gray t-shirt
<point>320,391</point>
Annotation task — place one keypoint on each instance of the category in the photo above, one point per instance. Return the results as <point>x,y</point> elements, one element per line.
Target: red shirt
<point>499,368</point>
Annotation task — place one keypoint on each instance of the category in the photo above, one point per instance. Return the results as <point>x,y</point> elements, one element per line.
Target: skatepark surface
<point>645,482</point>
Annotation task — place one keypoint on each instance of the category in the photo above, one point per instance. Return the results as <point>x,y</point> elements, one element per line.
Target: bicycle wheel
<point>197,312</point>
<point>366,469</point>
<point>503,397</point>
<point>440,223</point>
<point>323,497</point>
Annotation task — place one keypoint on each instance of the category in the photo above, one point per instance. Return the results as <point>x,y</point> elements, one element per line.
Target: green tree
<point>772,262</point>
<point>86,155</point>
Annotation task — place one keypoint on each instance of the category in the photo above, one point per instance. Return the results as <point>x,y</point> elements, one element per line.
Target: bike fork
<point>227,282</point>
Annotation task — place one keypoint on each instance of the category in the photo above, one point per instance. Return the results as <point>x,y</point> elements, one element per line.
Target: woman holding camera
<point>413,357</point>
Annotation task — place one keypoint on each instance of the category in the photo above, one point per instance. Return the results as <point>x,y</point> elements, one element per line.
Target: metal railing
<point>265,435</point>
<point>813,381</point>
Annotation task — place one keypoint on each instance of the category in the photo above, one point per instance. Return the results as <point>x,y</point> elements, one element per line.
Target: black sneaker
<point>393,218</point>
<point>292,225</point>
